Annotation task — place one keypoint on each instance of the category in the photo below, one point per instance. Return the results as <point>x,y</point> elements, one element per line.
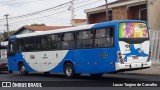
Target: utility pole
<point>106,10</point>
<point>7,25</point>
<point>71,8</point>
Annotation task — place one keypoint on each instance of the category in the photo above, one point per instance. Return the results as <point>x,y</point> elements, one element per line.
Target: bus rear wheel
<point>46,73</point>
<point>10,71</point>
<point>22,69</point>
<point>69,70</point>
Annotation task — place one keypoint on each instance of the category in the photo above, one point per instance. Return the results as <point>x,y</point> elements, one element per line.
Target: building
<point>78,22</point>
<point>118,10</point>
<point>31,29</point>
<point>132,9</point>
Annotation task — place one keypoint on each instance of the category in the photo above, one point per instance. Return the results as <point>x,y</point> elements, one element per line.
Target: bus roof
<point>83,27</point>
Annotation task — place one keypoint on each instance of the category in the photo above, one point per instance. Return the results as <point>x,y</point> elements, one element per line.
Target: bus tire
<point>10,72</point>
<point>96,75</point>
<point>69,70</point>
<point>46,73</point>
<point>22,69</point>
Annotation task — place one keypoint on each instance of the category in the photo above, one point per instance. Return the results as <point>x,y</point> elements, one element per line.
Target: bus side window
<point>44,42</point>
<point>29,44</point>
<point>12,47</point>
<point>104,37</point>
<point>68,40</point>
<point>20,46</point>
<point>54,41</point>
<point>84,39</point>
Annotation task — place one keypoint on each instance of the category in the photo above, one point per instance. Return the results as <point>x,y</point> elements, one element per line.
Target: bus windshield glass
<point>133,30</point>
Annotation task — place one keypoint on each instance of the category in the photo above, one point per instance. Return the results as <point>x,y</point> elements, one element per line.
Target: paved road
<point>5,76</point>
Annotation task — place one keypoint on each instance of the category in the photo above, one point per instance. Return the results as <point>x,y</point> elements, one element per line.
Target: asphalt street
<point>107,78</point>
<point>5,76</point>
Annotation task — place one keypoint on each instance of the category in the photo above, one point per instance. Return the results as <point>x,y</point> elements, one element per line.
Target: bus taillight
<point>120,57</point>
<point>119,53</point>
<point>149,54</point>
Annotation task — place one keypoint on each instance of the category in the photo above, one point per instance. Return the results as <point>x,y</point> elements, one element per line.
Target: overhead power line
<point>53,14</point>
<point>91,3</point>
<point>7,1</point>
<point>19,2</point>
<point>45,10</point>
<point>41,11</point>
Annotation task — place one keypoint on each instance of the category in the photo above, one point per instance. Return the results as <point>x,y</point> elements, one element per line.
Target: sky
<point>57,16</point>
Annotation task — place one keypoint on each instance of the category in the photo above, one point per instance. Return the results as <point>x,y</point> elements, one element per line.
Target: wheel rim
<point>69,70</point>
<point>22,69</point>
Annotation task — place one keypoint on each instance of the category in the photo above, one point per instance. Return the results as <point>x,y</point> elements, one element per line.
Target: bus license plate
<point>135,57</point>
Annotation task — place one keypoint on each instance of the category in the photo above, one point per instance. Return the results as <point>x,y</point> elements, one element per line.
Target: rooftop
<point>44,28</point>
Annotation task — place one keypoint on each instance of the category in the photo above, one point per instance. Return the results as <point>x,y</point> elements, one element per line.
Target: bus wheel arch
<point>69,69</point>
<point>22,68</point>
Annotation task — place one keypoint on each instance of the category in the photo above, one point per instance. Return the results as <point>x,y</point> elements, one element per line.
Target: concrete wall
<point>154,14</point>
<point>154,24</point>
<point>155,49</point>
<point>97,17</point>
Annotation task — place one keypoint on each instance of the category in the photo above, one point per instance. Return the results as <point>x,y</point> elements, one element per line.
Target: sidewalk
<point>153,70</point>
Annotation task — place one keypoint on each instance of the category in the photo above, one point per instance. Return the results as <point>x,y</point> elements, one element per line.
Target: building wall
<point>119,13</point>
<point>154,24</point>
<point>97,17</point>
<point>154,14</point>
<point>79,23</point>
<point>133,12</point>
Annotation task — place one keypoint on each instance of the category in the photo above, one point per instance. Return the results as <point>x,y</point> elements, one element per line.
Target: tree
<point>4,35</point>
<point>35,24</point>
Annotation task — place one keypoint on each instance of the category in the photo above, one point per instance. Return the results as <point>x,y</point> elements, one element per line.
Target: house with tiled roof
<point>30,29</point>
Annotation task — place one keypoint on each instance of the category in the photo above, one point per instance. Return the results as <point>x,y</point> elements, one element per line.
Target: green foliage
<point>4,35</point>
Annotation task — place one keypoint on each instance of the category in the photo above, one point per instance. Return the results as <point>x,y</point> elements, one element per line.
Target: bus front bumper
<point>132,66</point>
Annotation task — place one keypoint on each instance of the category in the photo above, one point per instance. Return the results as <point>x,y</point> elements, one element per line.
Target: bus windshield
<point>133,30</point>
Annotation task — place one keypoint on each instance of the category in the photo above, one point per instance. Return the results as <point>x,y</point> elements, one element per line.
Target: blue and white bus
<point>94,49</point>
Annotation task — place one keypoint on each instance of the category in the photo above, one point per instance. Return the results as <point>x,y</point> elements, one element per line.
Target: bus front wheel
<point>22,69</point>
<point>69,70</point>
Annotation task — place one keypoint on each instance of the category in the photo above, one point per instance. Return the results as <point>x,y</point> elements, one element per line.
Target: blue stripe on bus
<point>87,64</point>
<point>12,37</point>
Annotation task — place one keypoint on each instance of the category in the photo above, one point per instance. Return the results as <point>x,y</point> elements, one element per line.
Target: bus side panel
<point>90,60</point>
<point>13,62</point>
<point>96,61</point>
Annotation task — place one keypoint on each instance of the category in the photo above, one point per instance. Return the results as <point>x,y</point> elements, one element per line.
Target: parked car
<point>3,64</point>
